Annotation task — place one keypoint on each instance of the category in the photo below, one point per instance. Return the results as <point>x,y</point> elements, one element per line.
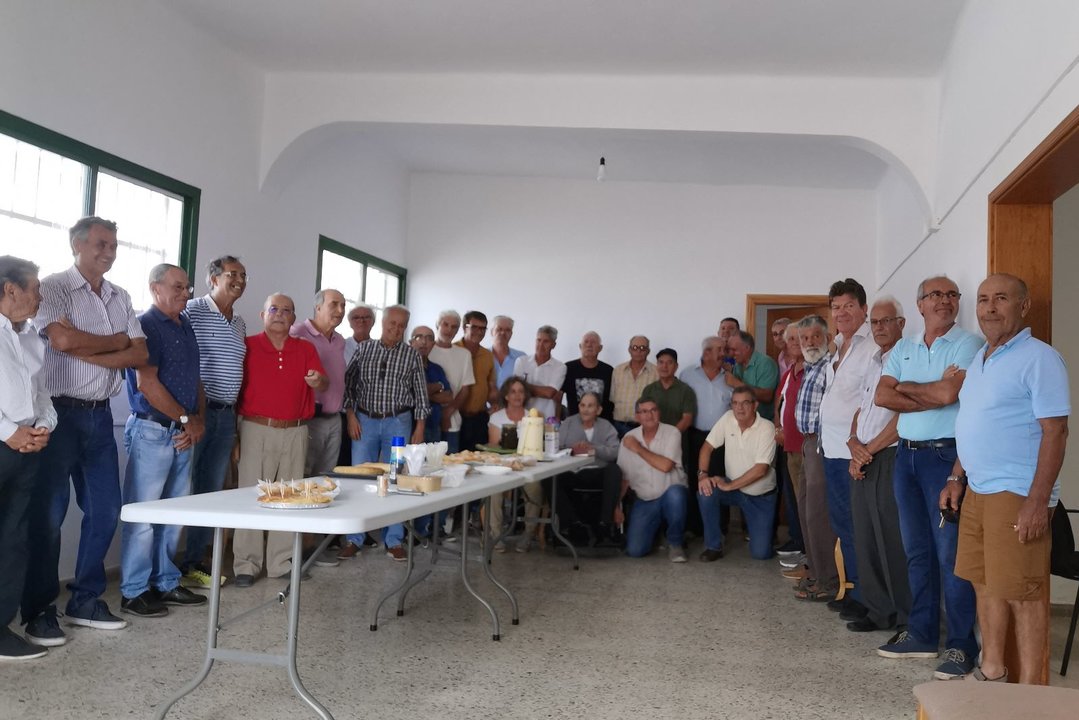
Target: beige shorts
<point>990,554</point>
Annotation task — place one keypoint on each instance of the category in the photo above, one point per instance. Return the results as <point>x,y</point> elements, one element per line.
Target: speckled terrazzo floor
<point>620,638</point>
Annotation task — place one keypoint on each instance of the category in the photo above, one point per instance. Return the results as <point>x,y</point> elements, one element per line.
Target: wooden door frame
<point>755,299</point>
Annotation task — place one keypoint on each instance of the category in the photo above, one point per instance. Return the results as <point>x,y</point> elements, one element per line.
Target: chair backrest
<point>1063,561</point>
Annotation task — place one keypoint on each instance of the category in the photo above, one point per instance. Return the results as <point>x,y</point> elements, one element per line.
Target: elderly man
<point>790,462</point>
<point>385,397</point>
<point>220,333</point>
<point>281,376</point>
<point>754,370</point>
<point>166,422</point>
<point>650,459</point>
<point>1011,432</point>
<point>438,385</point>
<point>676,401</point>
<point>361,319</point>
<point>505,356</point>
<point>779,339</point>
<point>457,362</point>
<point>921,381</point>
<point>324,429</point>
<point>713,394</point>
<point>92,334</point>
<point>588,374</point>
<point>628,381</point>
<point>26,420</point>
<point>882,565</point>
<point>587,434</point>
<point>543,374</point>
<point>483,390</point>
<point>749,480</point>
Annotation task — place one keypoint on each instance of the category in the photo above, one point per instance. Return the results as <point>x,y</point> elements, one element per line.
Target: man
<point>628,381</point>
<point>728,328</point>
<point>504,355</point>
<point>749,481</point>
<point>821,580</point>
<point>754,370</point>
<point>457,362</point>
<point>588,374</point>
<point>882,565</point>
<point>92,333</point>
<point>921,381</point>
<point>483,389</point>
<point>676,401</point>
<point>361,319</point>
<point>386,396</point>
<point>543,374</point>
<point>650,461</point>
<point>27,418</point>
<point>324,429</point>
<point>1011,432</point>
<point>166,422</point>
<point>842,397</point>
<point>779,339</point>
<point>787,435</point>
<point>220,333</point>
<point>587,434</point>
<point>438,385</point>
<point>281,376</point>
<point>709,384</point>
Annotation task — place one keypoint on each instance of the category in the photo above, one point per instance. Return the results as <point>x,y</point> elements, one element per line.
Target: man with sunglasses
<point>628,381</point>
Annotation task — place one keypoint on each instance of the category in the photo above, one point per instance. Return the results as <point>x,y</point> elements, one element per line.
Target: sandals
<point>812,593</point>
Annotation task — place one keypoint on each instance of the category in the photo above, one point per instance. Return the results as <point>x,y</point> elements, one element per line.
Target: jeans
<point>17,473</point>
<point>155,471</point>
<point>646,515</point>
<point>83,449</point>
<point>837,477</point>
<point>376,436</point>
<point>758,511</point>
<point>919,477</point>
<point>210,463</point>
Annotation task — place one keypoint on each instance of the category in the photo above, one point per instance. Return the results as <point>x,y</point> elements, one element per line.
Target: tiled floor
<point>620,638</point>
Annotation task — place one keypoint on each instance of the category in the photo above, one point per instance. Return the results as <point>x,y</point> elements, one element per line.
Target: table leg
<point>394,590</point>
<point>554,522</point>
<point>464,576</point>
<point>486,545</point>
<point>294,626</point>
<point>411,565</point>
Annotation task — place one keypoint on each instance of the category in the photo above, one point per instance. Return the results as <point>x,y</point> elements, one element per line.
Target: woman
<point>514,394</point>
<point>588,434</point>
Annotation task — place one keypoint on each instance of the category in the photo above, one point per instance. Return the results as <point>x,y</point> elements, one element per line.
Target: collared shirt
<point>483,374</point>
<point>843,392</point>
<point>68,295</point>
<point>331,353</point>
<point>997,432</point>
<point>550,374</point>
<point>872,418</point>
<point>382,380</point>
<point>648,482</point>
<point>580,380</point>
<point>789,387</point>
<point>912,361</point>
<point>713,396</point>
<point>171,347</point>
<point>457,362</point>
<point>626,390</point>
<point>274,384</point>
<point>504,369</point>
<point>673,402</point>
<point>23,397</point>
<point>221,349</point>
<point>760,372</point>
<point>351,343</point>
<point>433,373</point>
<point>745,448</point>
<point>807,412</point>
<point>783,363</point>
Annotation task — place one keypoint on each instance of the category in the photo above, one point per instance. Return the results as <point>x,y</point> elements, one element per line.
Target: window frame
<point>96,160</point>
<point>339,248</point>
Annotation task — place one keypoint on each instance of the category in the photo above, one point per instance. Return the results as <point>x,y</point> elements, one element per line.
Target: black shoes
<point>711,555</point>
<point>180,595</point>
<point>244,581</point>
<point>863,625</point>
<point>147,605</point>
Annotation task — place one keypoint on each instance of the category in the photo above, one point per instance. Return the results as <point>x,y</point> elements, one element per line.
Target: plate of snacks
<point>309,494</point>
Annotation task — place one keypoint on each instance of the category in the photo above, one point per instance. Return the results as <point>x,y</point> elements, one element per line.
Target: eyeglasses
<point>481,328</point>
<point>938,295</point>
<point>638,347</point>
<point>883,321</point>
<point>274,310</point>
<point>777,333</point>
<point>425,338</point>
<point>364,318</point>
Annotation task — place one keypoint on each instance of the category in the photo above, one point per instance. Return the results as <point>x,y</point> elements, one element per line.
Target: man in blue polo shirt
<point>1011,432</point>
<point>167,410</point>
<point>921,381</point>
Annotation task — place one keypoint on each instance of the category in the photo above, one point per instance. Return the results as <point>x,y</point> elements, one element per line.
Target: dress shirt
<point>810,394</point>
<point>551,374</point>
<point>713,396</point>
<point>843,392</point>
<point>383,380</point>
<point>221,349</point>
<point>23,397</point>
<point>873,418</point>
<point>745,448</point>
<point>626,390</point>
<point>331,353</point>
<point>504,369</point>
<point>648,482</point>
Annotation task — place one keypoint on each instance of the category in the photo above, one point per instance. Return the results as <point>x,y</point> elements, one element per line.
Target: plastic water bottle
<point>397,456</point>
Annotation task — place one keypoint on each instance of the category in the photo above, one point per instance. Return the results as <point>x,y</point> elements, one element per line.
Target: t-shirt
<point>580,380</point>
<point>457,362</point>
<point>673,402</point>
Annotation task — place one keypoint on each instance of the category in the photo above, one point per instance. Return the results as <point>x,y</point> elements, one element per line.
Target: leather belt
<point>319,413</point>
<point>64,401</point>
<point>383,416</point>
<point>168,424</point>
<point>215,405</point>
<point>926,444</point>
<point>274,422</point>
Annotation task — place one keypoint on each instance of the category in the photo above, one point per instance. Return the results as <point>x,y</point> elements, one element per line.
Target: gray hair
<point>499,318</point>
<point>363,306</point>
<point>217,266</point>
<point>921,286</point>
<point>746,338</point>
<point>784,321</point>
<point>592,332</point>
<point>889,300</point>
<point>81,229</point>
<point>710,340</point>
<point>592,393</point>
<point>158,272</point>
<point>449,314</point>
<point>813,321</point>
<point>397,308</point>
<point>16,271</point>
<point>548,330</point>
<point>320,296</point>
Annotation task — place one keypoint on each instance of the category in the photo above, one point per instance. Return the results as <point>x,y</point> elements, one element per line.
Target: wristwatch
<point>702,473</point>
<point>184,419</point>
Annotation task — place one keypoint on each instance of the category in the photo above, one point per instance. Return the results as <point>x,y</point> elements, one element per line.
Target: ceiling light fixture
<point>601,174</point>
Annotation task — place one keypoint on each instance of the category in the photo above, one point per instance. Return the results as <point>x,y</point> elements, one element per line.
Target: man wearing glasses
<point>361,319</point>
<point>921,381</point>
<point>628,381</point>
<point>474,416</point>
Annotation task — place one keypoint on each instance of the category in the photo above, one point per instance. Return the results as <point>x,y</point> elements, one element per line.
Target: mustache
<point>813,354</point>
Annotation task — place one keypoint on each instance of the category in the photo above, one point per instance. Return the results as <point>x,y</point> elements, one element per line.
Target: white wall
<point>664,260</point>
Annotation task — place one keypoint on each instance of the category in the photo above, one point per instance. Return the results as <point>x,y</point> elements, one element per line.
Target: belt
<point>64,401</point>
<point>926,444</point>
<point>215,405</point>
<point>320,414</point>
<point>169,424</point>
<point>274,422</point>
<point>383,416</point>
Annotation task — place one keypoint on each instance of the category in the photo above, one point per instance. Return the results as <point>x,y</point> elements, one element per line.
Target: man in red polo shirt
<point>281,375</point>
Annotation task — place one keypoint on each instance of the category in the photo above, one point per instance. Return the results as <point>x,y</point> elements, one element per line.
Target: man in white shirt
<point>26,420</point>
<point>456,361</point>
<point>543,374</point>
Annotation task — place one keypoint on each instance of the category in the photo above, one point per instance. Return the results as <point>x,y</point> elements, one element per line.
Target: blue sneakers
<point>955,665</point>
<point>44,630</point>
<point>906,646</point>
<point>94,614</point>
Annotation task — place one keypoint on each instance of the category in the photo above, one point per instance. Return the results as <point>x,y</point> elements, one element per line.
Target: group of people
<point>871,438</point>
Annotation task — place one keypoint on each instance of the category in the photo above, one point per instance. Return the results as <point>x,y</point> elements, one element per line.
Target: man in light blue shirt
<point>921,381</point>
<point>709,382</point>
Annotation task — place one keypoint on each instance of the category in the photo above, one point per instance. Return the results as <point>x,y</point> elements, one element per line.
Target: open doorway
<point>763,310</point>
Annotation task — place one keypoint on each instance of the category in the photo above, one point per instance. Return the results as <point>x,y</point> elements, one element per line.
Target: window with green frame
<point>48,181</point>
<point>360,277</point>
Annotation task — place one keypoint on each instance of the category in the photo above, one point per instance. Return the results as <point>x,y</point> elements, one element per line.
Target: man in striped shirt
<point>92,333</point>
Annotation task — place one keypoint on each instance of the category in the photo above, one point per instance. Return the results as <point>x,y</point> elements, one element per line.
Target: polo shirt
<point>551,374</point>
<point>221,349</point>
<point>762,372</point>
<point>626,390</point>
<point>912,361</point>
<point>504,369</point>
<point>457,362</point>
<point>673,402</point>
<point>872,418</point>
<point>331,353</point>
<point>713,396</point>
<point>648,482</point>
<point>174,351</point>
<point>433,373</point>
<point>483,374</point>
<point>746,448</point>
<point>997,433</point>
<point>274,384</point>
<point>843,392</point>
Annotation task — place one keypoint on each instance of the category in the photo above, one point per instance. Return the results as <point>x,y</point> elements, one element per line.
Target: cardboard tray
<point>423,483</point>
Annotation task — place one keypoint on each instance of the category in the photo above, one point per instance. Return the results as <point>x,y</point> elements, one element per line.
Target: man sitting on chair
<point>587,434</point>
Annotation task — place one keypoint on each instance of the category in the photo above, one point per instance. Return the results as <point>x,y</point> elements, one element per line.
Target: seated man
<point>750,484</point>
<point>650,461</point>
<point>587,434</point>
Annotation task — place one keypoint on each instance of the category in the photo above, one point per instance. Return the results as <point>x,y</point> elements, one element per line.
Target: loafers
<point>244,581</point>
<point>180,595</point>
<point>711,555</point>
<point>863,625</point>
<point>145,605</point>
